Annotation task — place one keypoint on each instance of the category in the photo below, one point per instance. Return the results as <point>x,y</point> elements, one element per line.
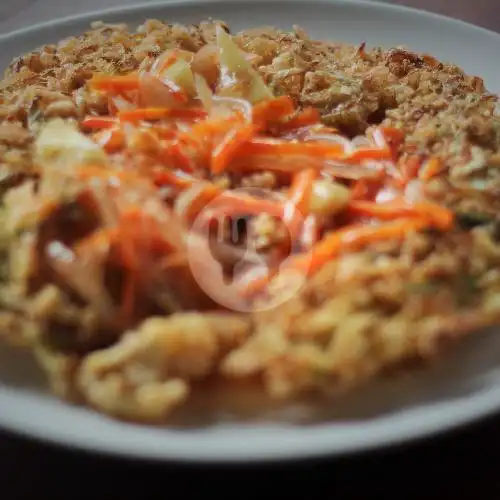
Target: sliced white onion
<point>120,103</point>
<point>354,172</point>
<point>184,204</point>
<point>414,192</point>
<point>205,94</point>
<point>386,194</point>
<point>379,139</point>
<point>333,138</point>
<point>361,141</point>
<point>206,63</point>
<point>235,103</point>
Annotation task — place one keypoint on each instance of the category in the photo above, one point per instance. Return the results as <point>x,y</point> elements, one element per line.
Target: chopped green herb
<point>466,288</point>
<point>424,288</point>
<point>469,220</point>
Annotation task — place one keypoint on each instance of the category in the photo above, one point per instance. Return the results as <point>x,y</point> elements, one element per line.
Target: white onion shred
<point>333,138</point>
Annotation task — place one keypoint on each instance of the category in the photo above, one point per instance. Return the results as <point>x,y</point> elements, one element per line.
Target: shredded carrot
<point>99,122</point>
<point>393,136</point>
<point>115,83</point>
<point>262,146</point>
<point>166,132</point>
<point>235,204</point>
<point>181,143</point>
<point>368,154</point>
<point>436,215</point>
<point>139,114</point>
<point>207,129</point>
<point>411,167</point>
<point>223,153</point>
<point>430,168</point>
<point>273,110</point>
<point>166,177</point>
<point>111,139</point>
<point>353,237</point>
<point>304,118</point>
<point>139,230</point>
<point>173,155</point>
<point>359,190</point>
<point>297,205</point>
<point>332,244</point>
<point>201,199</point>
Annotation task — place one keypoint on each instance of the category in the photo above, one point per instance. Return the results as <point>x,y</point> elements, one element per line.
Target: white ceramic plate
<point>463,388</point>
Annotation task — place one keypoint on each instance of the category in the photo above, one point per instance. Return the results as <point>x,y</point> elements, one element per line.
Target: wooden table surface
<point>462,465</point>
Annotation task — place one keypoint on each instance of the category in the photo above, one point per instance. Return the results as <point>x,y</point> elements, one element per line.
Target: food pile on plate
<point>185,204</point>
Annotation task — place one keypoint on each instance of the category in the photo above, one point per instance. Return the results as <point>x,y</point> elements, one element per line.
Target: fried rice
<point>363,312</point>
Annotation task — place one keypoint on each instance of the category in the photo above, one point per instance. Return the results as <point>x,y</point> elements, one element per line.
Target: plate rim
<point>474,409</point>
<point>156,4</point>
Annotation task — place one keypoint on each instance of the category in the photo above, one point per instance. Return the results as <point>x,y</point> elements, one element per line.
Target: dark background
<point>464,464</point>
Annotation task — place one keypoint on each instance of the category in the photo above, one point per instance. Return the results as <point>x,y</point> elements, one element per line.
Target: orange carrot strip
<point>272,110</point>
<point>368,154</point>
<point>306,117</point>
<point>207,128</point>
<point>160,113</point>
<point>262,146</point>
<point>166,132</point>
<point>138,228</point>
<point>335,242</point>
<point>355,236</point>
<point>430,168</point>
<point>411,167</point>
<point>246,205</point>
<point>226,203</point>
<point>99,122</point>
<point>297,206</point>
<point>393,136</point>
<point>435,214</point>
<point>201,199</point>
<point>115,83</point>
<point>359,190</point>
<point>224,152</point>
<point>169,178</point>
<point>110,139</point>
<point>174,155</point>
